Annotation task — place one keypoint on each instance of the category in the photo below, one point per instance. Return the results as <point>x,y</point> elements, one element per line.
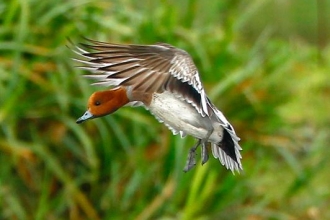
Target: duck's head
<point>104,103</point>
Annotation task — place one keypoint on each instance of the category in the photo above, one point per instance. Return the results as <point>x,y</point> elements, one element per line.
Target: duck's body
<point>164,80</point>
<point>166,107</point>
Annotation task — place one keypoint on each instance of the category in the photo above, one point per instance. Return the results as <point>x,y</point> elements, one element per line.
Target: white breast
<point>182,117</point>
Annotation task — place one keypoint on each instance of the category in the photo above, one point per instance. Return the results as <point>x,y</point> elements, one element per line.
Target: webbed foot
<point>191,160</point>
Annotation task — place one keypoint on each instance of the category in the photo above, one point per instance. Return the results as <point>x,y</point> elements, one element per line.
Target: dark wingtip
<point>228,146</point>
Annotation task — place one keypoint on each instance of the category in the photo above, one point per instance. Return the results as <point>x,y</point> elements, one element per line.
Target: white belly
<point>182,116</point>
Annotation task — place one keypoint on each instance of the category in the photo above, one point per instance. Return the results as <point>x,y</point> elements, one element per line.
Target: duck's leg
<point>205,153</point>
<point>191,161</point>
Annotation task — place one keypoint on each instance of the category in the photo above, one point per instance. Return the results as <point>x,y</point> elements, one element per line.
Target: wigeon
<point>166,82</point>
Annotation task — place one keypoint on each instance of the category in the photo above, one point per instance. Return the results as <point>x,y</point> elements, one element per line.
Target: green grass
<point>269,75</point>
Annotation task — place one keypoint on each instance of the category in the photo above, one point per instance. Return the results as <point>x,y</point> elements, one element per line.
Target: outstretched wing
<point>145,68</point>
<point>228,150</point>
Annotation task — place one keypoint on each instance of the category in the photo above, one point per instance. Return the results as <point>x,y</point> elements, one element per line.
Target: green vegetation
<point>264,63</point>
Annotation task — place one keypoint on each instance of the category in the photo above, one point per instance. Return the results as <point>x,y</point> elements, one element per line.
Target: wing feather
<point>147,68</point>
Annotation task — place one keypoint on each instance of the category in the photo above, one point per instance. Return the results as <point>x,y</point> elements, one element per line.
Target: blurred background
<point>264,63</point>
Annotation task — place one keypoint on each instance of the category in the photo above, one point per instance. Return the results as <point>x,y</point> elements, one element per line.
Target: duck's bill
<point>85,117</point>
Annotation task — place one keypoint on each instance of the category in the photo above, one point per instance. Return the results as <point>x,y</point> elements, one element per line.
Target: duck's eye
<point>97,103</point>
